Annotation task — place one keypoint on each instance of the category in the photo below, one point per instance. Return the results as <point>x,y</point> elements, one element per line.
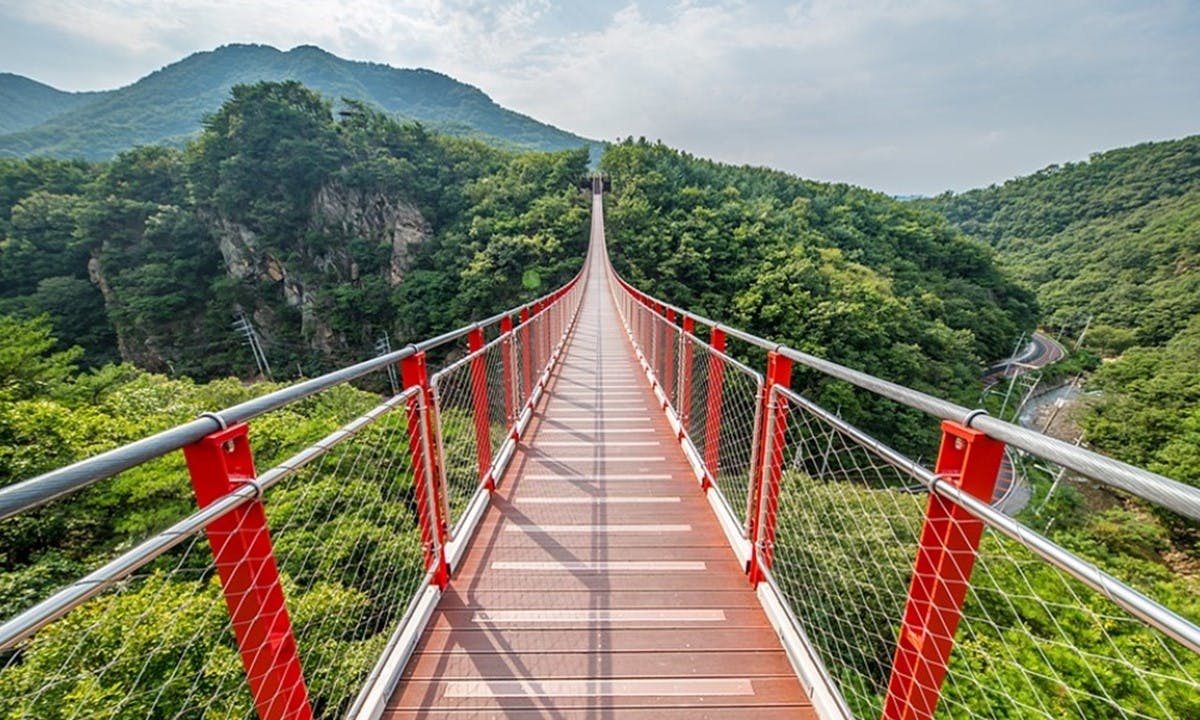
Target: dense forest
<point>120,283</point>
<point>841,272</point>
<point>367,228</point>
<point>1113,244</point>
<point>1116,238</point>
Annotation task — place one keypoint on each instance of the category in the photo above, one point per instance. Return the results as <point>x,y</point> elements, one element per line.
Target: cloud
<point>913,96</point>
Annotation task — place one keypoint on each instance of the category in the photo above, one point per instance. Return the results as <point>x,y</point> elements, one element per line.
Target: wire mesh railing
<point>904,592</point>
<point>282,595</point>
<point>1032,640</point>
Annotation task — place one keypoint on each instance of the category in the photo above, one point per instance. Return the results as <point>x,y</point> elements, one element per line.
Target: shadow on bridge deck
<point>599,583</point>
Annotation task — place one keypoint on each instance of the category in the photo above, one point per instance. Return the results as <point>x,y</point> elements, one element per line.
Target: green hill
<point>25,103</point>
<point>167,106</point>
<point>1116,237</point>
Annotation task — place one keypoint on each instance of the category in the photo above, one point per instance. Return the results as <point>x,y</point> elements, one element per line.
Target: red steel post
<point>712,415</point>
<point>668,358</point>
<point>425,466</point>
<point>945,557</point>
<point>550,330</point>
<point>506,326</point>
<point>479,396</point>
<point>768,471</point>
<point>526,366</point>
<point>685,371</point>
<point>245,560</point>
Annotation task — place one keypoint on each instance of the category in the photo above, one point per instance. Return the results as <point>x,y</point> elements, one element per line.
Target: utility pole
<point>383,346</point>
<point>246,328</point>
<point>1086,325</point>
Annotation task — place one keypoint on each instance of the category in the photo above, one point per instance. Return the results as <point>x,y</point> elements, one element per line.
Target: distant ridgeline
<point>167,106</point>
<point>842,272</point>
<point>326,233</point>
<point>1116,237</point>
<point>1115,241</point>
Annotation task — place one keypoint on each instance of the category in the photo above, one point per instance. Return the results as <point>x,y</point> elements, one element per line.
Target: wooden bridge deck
<point>599,583</point>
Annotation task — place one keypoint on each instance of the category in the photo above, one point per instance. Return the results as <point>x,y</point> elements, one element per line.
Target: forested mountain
<point>838,271</point>
<point>325,234</point>
<point>25,103</point>
<point>1116,240</point>
<point>167,106</point>
<point>1116,237</point>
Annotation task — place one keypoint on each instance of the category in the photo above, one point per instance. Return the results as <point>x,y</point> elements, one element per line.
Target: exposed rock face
<point>96,274</point>
<point>337,212</point>
<point>373,215</point>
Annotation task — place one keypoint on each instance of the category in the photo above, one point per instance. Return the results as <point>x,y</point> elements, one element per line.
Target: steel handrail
<point>1137,604</point>
<point>1161,490</point>
<point>36,491</point>
<point>33,619</point>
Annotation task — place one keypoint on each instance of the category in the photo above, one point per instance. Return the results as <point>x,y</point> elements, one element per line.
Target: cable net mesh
<point>1032,642</point>
<point>161,642</point>
<point>474,401</point>
<point>346,532</point>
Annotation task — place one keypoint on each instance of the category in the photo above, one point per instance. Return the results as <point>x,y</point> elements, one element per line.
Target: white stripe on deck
<point>595,478</point>
<point>641,615</point>
<point>597,443</point>
<point>618,431</point>
<point>617,687</point>
<point>568,529</point>
<point>547,457</point>
<point>613,500</point>
<point>606,417</point>
<point>603,392</point>
<point>645,566</point>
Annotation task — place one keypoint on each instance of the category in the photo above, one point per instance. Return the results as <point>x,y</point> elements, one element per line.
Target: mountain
<point>167,106</point>
<point>25,103</point>
<point>1116,238</point>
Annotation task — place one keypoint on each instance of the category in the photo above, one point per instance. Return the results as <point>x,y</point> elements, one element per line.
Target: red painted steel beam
<point>767,474</point>
<point>685,372</point>
<point>945,558</point>
<point>510,404</point>
<point>712,417</point>
<point>427,485</point>
<point>479,398</point>
<point>526,361</point>
<point>245,559</point>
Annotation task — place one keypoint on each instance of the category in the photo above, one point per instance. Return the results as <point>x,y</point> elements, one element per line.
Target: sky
<point>914,97</point>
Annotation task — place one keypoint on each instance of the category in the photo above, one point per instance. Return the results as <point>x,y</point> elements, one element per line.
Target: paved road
<point>1040,351</point>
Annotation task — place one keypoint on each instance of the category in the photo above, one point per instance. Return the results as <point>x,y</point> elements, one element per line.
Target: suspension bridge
<point>589,506</point>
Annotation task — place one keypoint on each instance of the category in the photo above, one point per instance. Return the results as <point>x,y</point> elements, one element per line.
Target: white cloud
<point>905,96</point>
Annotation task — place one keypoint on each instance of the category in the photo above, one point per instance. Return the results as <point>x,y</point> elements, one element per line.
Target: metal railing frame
<point>556,310</point>
<point>1162,491</point>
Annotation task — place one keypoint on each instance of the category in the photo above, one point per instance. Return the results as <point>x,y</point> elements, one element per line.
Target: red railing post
<point>245,560</point>
<point>660,332</point>
<point>685,371</point>
<point>479,396</point>
<point>945,557</point>
<point>712,415</point>
<point>548,331</point>
<point>668,366</point>
<point>768,470</point>
<point>510,401</point>
<point>426,475</point>
<point>526,365</point>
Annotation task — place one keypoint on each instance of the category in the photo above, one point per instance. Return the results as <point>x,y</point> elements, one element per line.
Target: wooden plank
<point>461,665</point>
<point>777,712</point>
<point>589,591</point>
<point>541,640</point>
<point>514,695</point>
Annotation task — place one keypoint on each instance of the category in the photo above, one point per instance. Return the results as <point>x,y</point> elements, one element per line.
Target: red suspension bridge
<point>597,511</point>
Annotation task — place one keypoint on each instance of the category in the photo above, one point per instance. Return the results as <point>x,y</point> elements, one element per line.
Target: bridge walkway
<point>599,583</point>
